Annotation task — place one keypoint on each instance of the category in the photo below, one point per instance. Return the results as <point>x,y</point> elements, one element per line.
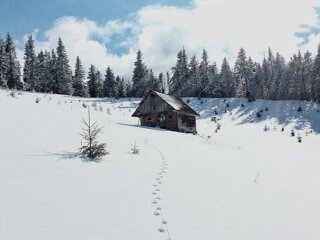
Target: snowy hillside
<point>242,177</point>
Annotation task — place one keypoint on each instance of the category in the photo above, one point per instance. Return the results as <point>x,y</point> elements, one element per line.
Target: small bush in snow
<point>267,109</point>
<point>213,119</point>
<point>299,139</point>
<point>282,129</point>
<point>84,105</point>
<point>292,133</point>
<point>37,100</point>
<point>135,149</point>
<point>299,109</point>
<point>91,148</point>
<point>308,132</point>
<point>12,94</point>
<point>101,109</point>
<point>258,115</point>
<point>188,100</point>
<point>227,105</point>
<point>215,112</point>
<point>242,105</point>
<point>218,127</point>
<point>266,128</point>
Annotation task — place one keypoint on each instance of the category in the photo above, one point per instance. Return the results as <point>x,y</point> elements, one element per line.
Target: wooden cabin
<point>161,110</point>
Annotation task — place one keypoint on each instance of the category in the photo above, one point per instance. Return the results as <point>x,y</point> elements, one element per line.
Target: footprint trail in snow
<point>158,212</point>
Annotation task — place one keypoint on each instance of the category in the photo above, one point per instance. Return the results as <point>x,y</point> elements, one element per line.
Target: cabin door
<point>162,121</point>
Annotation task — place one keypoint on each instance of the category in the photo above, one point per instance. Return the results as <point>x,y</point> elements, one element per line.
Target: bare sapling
<point>135,149</point>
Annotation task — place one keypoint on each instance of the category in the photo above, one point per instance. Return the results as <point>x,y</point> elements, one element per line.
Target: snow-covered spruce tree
<point>90,146</point>
<point>295,86</point>
<point>258,80</point>
<point>241,74</point>
<point>99,79</point>
<point>79,87</point>
<point>270,76</point>
<point>129,91</point>
<point>92,82</point>
<point>64,73</point>
<point>52,68</point>
<point>121,93</point>
<point>204,71</point>
<point>280,77</point>
<point>152,82</point>
<point>179,75</point>
<point>213,88</point>
<point>316,76</point>
<point>109,84</point>
<point>13,74</point>
<point>193,80</point>
<point>226,80</point>
<point>252,87</point>
<point>39,83</point>
<point>139,77</point>
<point>163,83</point>
<point>307,76</point>
<point>30,69</point>
<point>3,65</point>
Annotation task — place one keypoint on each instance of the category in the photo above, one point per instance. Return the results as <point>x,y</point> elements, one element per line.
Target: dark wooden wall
<point>153,104</point>
<point>186,123</point>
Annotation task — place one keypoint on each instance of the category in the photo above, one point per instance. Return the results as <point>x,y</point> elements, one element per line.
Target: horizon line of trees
<point>274,78</point>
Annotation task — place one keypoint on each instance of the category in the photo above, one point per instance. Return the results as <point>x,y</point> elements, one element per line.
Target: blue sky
<point>21,17</point>
<point>109,32</point>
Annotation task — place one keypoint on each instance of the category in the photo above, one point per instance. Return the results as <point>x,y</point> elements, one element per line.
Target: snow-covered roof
<point>176,103</point>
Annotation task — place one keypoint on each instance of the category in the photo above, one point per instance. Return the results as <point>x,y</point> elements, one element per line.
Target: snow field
<point>240,182</point>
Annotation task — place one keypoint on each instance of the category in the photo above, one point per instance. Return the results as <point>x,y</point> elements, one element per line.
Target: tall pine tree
<point>139,77</point>
<point>63,71</point>
<point>13,74</point>
<point>179,75</point>
<point>79,86</point>
<point>3,65</point>
<point>30,69</point>
<point>110,84</point>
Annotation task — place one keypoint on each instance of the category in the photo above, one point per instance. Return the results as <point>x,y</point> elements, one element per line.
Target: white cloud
<point>220,26</point>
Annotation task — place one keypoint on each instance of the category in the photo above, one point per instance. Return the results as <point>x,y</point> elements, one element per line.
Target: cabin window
<point>170,116</point>
<point>149,119</point>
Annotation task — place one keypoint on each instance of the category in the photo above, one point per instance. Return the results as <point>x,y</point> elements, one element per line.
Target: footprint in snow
<point>157,189</point>
<point>164,221</point>
<point>158,208</point>
<point>155,185</point>
<point>161,230</point>
<point>154,202</point>
<point>154,193</point>
<point>156,213</point>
